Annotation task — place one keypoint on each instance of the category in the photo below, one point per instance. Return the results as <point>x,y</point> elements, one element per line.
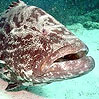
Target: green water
<point>82,18</point>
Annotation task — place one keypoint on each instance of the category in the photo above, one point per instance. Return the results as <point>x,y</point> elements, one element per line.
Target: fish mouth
<point>68,64</point>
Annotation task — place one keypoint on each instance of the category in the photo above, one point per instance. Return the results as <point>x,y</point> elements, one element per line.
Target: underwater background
<point>82,18</point>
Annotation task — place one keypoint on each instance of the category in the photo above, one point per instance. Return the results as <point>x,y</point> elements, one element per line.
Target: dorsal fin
<point>17,3</point>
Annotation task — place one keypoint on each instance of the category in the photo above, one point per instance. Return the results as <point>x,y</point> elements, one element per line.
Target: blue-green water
<point>82,18</point>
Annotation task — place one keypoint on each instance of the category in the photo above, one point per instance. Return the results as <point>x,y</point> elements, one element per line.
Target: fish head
<point>67,59</point>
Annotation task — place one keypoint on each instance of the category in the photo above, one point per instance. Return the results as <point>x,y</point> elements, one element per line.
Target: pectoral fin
<point>12,86</point>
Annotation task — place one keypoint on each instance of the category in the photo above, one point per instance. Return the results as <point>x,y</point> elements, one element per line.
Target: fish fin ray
<point>14,4</point>
<point>12,86</point>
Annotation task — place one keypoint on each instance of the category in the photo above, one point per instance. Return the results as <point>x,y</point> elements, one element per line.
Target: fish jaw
<point>66,63</point>
<point>64,70</point>
<point>69,69</point>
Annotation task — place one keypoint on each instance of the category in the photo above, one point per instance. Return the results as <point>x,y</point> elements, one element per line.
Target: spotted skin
<point>35,48</point>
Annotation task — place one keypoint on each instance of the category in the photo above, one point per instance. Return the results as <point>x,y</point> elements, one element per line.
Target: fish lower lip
<point>71,68</point>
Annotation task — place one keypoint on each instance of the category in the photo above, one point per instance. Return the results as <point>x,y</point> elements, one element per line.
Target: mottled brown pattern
<point>40,11</point>
<point>29,19</point>
<point>34,28</point>
<point>51,21</point>
<point>37,48</point>
<point>60,31</point>
<point>25,27</point>
<point>34,15</point>
<point>7,28</point>
<point>54,38</point>
<point>15,19</point>
<point>28,37</point>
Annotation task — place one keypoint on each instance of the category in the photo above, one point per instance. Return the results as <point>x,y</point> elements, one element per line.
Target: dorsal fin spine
<point>14,4</point>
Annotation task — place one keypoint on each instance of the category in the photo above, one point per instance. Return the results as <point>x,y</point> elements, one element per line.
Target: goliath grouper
<point>35,48</point>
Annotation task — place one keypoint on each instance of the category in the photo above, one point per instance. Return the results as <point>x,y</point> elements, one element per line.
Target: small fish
<point>35,48</point>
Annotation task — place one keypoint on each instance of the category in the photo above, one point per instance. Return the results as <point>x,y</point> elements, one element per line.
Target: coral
<point>91,25</point>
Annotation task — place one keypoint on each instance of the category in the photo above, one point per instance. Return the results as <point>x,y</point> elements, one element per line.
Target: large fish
<point>35,48</point>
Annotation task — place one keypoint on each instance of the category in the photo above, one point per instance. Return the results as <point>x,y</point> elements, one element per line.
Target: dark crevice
<point>73,56</point>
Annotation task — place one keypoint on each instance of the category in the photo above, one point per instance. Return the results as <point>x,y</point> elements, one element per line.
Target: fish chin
<point>68,69</point>
<point>71,68</point>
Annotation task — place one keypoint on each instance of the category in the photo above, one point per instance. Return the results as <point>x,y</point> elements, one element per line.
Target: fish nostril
<point>44,32</point>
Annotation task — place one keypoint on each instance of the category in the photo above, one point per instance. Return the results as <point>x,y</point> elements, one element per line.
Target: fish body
<point>35,48</point>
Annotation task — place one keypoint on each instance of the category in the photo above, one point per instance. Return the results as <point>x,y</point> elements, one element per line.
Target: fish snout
<point>68,62</point>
